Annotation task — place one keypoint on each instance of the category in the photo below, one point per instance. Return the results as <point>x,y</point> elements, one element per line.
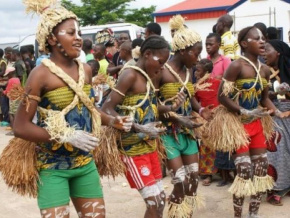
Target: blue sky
<point>15,23</point>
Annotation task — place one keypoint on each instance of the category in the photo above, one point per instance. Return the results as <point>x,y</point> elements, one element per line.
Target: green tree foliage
<point>94,12</point>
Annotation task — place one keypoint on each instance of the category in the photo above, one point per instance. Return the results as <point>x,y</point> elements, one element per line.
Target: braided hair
<point>154,42</point>
<point>243,35</point>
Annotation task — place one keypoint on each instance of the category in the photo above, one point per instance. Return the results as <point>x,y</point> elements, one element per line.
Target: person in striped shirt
<point>229,44</point>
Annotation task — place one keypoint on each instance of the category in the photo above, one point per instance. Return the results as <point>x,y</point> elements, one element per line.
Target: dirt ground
<point>123,202</point>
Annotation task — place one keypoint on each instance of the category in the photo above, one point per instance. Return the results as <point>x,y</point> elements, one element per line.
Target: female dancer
<point>249,78</point>
<point>68,127</point>
<point>181,147</point>
<point>134,95</point>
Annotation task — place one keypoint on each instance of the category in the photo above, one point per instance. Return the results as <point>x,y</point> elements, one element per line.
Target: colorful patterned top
<point>133,144</point>
<point>169,90</point>
<point>230,46</point>
<point>64,156</point>
<point>249,95</point>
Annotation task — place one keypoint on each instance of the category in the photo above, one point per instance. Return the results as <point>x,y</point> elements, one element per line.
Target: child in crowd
<point>19,65</point>
<point>13,80</point>
<point>222,161</point>
<point>99,54</point>
<point>126,54</point>
<point>206,97</point>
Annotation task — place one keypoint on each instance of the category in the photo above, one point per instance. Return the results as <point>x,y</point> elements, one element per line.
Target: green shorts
<point>57,186</point>
<point>186,146</point>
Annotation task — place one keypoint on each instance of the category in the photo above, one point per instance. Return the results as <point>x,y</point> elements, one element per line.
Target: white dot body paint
<point>77,30</point>
<point>61,32</point>
<point>155,58</point>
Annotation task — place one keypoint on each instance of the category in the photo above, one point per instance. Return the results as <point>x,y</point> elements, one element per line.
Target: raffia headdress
<point>51,13</point>
<point>183,37</point>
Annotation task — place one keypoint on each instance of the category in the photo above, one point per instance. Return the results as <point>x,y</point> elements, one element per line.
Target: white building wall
<point>203,27</point>
<point>270,12</point>
<point>247,14</point>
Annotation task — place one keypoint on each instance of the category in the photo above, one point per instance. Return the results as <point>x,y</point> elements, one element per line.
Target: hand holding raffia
<point>153,130</point>
<point>258,112</point>
<point>122,123</point>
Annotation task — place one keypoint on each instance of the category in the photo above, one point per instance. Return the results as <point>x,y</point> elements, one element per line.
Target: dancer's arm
<point>23,126</point>
<point>121,123</point>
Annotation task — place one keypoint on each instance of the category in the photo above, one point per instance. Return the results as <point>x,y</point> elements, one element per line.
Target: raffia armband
<point>17,92</point>
<point>228,87</point>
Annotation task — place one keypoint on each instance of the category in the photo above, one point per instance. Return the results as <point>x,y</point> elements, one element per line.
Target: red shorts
<point>143,170</point>
<point>256,136</point>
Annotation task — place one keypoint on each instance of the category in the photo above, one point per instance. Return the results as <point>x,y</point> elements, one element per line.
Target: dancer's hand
<point>206,112</point>
<point>258,112</point>
<point>180,99</point>
<point>187,121</point>
<point>122,123</point>
<point>83,140</point>
<point>153,130</point>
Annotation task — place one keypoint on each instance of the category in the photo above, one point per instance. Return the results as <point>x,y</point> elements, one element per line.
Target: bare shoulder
<point>265,71</point>
<point>234,70</point>
<point>38,80</point>
<point>88,72</point>
<point>39,73</point>
<point>128,74</point>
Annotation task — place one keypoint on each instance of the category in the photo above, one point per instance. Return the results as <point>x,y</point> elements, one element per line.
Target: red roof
<point>189,5</point>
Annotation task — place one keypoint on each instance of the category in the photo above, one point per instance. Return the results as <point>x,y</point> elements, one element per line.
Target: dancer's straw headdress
<point>183,36</point>
<point>51,13</point>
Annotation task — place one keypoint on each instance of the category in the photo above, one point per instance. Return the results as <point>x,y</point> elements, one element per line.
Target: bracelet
<point>200,110</point>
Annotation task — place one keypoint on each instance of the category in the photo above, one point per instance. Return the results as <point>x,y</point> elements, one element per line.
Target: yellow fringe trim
<point>178,210</point>
<point>242,187</point>
<point>262,184</point>
<point>56,126</point>
<point>225,132</point>
<point>195,202</point>
<point>18,167</point>
<point>228,87</point>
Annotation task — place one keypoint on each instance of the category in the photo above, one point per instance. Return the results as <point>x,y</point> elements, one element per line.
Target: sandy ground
<point>123,202</point>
